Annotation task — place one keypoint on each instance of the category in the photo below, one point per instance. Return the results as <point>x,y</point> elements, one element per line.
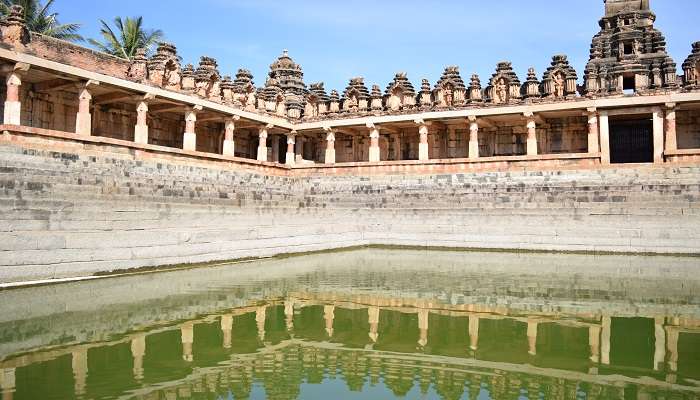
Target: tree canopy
<point>128,37</point>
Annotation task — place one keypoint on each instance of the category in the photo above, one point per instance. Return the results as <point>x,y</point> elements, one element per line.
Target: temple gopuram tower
<point>628,54</point>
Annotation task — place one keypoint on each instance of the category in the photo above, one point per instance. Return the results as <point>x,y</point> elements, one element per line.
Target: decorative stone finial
<point>399,93</point>
<point>14,28</point>
<point>16,15</point>
<point>376,96</point>
<point>138,70</point>
<point>475,95</point>
<point>504,86</point>
<point>531,87</point>
<point>356,95</point>
<point>691,68</point>
<point>559,80</point>
<point>316,101</point>
<point>450,89</point>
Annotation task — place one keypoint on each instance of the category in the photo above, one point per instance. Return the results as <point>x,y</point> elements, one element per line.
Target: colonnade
<point>664,126</point>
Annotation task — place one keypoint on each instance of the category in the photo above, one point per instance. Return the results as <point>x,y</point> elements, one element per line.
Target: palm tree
<point>130,37</point>
<point>40,19</point>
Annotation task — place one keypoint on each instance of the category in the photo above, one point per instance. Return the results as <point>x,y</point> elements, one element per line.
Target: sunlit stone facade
<point>632,103</point>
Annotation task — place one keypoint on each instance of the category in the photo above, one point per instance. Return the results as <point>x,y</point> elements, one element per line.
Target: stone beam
<point>162,108</point>
<point>111,98</point>
<point>54,84</point>
<point>212,118</point>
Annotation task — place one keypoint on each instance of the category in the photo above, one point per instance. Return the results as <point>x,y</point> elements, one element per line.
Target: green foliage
<point>128,37</point>
<point>40,19</point>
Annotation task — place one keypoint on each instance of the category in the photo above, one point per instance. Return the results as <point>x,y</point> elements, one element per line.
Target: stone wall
<point>71,54</point>
<point>75,206</point>
<point>688,129</point>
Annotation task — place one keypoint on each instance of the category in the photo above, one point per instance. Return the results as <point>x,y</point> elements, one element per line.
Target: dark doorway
<point>631,141</point>
<point>282,149</point>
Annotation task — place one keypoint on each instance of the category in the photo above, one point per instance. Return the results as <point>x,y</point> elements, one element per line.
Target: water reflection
<point>364,324</point>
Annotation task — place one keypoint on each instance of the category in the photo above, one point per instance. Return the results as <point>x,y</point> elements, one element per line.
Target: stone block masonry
<point>74,208</point>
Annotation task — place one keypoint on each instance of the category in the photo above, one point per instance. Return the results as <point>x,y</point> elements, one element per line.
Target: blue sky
<point>335,40</point>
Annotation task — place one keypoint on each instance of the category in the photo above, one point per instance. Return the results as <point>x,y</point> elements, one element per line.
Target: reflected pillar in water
<point>80,369</point>
<point>170,395</point>
<point>260,313</point>
<point>187,336</point>
<point>672,348</point>
<point>138,350</point>
<point>594,342</point>
<point>329,316</point>
<point>532,337</point>
<point>226,328</point>
<point>289,314</point>
<point>373,313</point>
<point>605,340</point>
<point>659,343</point>
<point>423,316</point>
<point>473,332</point>
<point>184,392</point>
<point>7,383</point>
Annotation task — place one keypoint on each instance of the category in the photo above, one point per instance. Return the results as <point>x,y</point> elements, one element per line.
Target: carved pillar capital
<point>291,137</point>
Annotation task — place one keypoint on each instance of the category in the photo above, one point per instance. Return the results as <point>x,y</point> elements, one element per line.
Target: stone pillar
<point>374,155</point>
<point>671,139</point>
<point>532,337</point>
<point>189,140</point>
<point>605,340</point>
<point>658,135</point>
<point>187,339</point>
<point>226,328</point>
<point>79,364</point>
<point>594,342</point>
<point>289,158</point>
<point>138,350</point>
<point>423,154</point>
<point>329,316</point>
<point>593,146</point>
<point>229,147</point>
<point>83,120</point>
<point>604,137</point>
<point>7,383</point>
<point>260,314</point>
<point>13,105</point>
<point>289,314</point>
<point>473,332</point>
<point>531,134</point>
<point>473,138</point>
<point>659,343</point>
<point>262,145</point>
<point>373,313</point>
<point>141,128</point>
<point>330,146</point>
<point>423,316</point>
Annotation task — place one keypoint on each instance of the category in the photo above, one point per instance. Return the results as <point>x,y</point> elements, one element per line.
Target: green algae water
<point>364,324</point>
